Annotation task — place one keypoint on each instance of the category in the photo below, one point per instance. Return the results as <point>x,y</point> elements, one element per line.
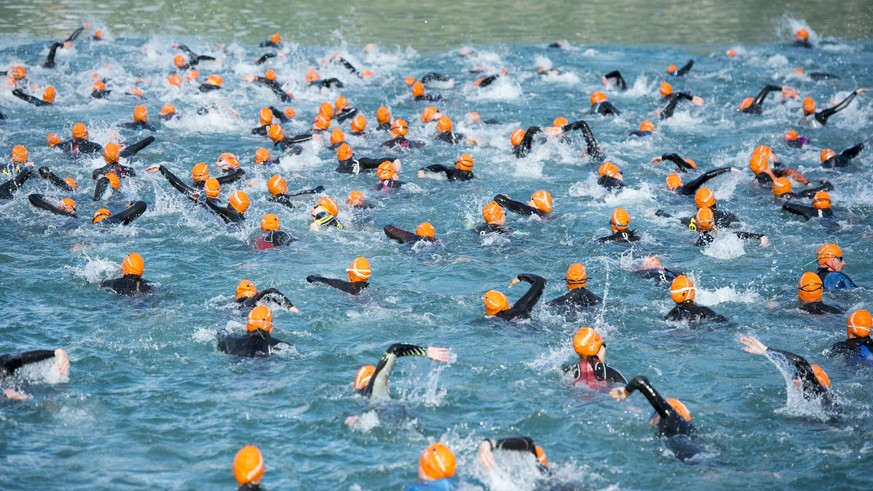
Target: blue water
<point>151,403</point>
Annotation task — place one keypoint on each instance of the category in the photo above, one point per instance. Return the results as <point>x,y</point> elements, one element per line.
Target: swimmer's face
<point>838,263</point>
<point>316,210</point>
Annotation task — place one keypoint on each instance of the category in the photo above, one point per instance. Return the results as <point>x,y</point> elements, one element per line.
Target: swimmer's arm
<point>642,384</point>
<point>679,161</point>
<point>27,97</point>
<point>56,181</point>
<point>316,189</point>
<point>11,363</point>
<point>802,210</point>
<point>174,181</point>
<point>853,152</point>
<point>530,298</point>
<point>230,177</point>
<point>765,92</point>
<point>436,169</point>
<point>685,69</point>
<point>130,213</point>
<point>825,114</point>
<point>696,183</point>
<point>74,35</point>
<point>221,211</point>
<point>368,163</point>
<point>515,206</point>
<point>342,285</point>
<point>39,201</point>
<point>278,297</point>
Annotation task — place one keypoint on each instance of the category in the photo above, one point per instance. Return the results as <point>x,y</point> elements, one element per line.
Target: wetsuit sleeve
<point>176,182</point>
<point>230,177</point>
<point>515,443</point>
<point>802,210</point>
<point>672,103</point>
<point>9,187</point>
<point>49,61</point>
<point>274,295</point>
<point>823,116</point>
<point>74,35</point>
<point>641,383</point>
<point>439,168</point>
<point>526,303</point>
<point>378,386</point>
<point>10,363</point>
<point>615,74</point>
<point>609,374</point>
<point>228,215</point>
<point>679,161</point>
<point>749,235</point>
<point>524,147</point>
<point>515,206</point>
<point>264,57</point>
<point>28,98</point>
<point>131,150</point>
<point>315,190</point>
<point>809,193</point>
<point>56,181</point>
<point>39,201</point>
<point>685,69</point>
<point>852,152</point>
<point>590,141</point>
<point>368,163</point>
<point>759,99</point>
<point>804,371</point>
<point>692,186</point>
<point>607,109</point>
<point>342,285</point>
<point>129,214</point>
<point>400,235</point>
<point>346,114</point>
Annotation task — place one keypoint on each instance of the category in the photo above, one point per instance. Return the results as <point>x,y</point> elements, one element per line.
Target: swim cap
<point>541,455</point>
<point>321,122</point>
<point>355,198</point>
<point>682,289</point>
<point>359,270</point>
<point>425,229</point>
<point>383,115</point>
<point>246,289</point>
<point>620,220</point>
<point>665,89</point>
<point>437,462</point>
<point>417,89</point>
<point>366,73</point>
<point>192,75</point>
<point>808,105</point>
<point>680,408</point>
<point>704,198</point>
<point>672,69</point>
<point>111,152</point>
<point>48,95</point>
<point>262,155</point>
<point>809,288</point>
<point>827,154</point>
<point>290,112</point>
<point>690,162</point>
<point>428,114</point>
<point>19,154</point>
<point>179,61</point>
<point>759,162</point>
<point>80,131</point>
<point>276,38</point>
<point>328,205</point>
<point>493,213</point>
<point>464,162</point>
<point>19,72</point>
<point>69,205</point>
<point>409,80</point>
<point>276,133</point>
<point>791,135</point>
<point>265,116</point>
<point>173,79</point>
<point>312,75</point>
<point>820,375</point>
<point>802,34</point>
<point>516,137</point>
<point>587,342</point>
<point>277,185</point>
<point>560,121</point>
<point>495,302</point>
<point>140,114</point>
<point>239,200</point>
<point>827,252</point>
<point>168,109</point>
<point>542,201</point>
<point>326,110</point>
<point>200,172</point>
<point>473,117</point>
<point>341,103</point>
<point>100,214</point>
<point>821,200</point>
<point>609,169</point>
<point>647,126</point>
<point>598,97</point>
<point>386,170</point>
<point>344,152</point>
<point>270,74</point>
<point>652,263</point>
<point>746,103</point>
<point>98,86</point>
<point>576,277</point>
<point>133,265</point>
<point>212,188</point>
<point>337,136</point>
<point>113,180</point>
<point>270,222</point>
<point>260,318</point>
<point>705,219</point>
<point>731,53</point>
<point>781,186</point>
<point>71,182</point>
<point>362,378</point>
<point>229,159</point>
<point>214,79</point>
<point>674,182</point>
<point>52,139</point>
<point>444,124</point>
<point>859,323</point>
<point>399,127</point>
<point>359,123</point>
<point>248,465</point>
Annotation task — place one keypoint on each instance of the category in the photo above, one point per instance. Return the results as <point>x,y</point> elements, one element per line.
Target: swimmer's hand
<point>351,421</point>
<point>310,278</point>
<point>765,242</point>
<point>486,456</point>
<point>438,354</point>
<point>15,396</point>
<point>293,309</point>
<point>44,172</point>
<point>249,78</point>
<point>860,91</point>
<point>63,362</point>
<point>514,282</point>
<point>153,168</point>
<point>752,345</point>
<point>656,160</point>
<point>619,394</point>
<point>697,101</point>
<point>421,174</point>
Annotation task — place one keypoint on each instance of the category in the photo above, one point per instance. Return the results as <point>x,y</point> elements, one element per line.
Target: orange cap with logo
<point>100,215</point>
<point>598,97</point>
<point>359,123</point>
<point>682,289</point>
<point>276,133</point>
<point>791,135</point>
<point>399,127</point>
<point>609,169</point>
<point>827,252</point>
<point>262,155</point>
<point>200,172</point>
<point>386,171</point>
<point>52,139</point>
<point>215,80</point>
<point>444,124</point>
<point>133,265</point>
<point>493,213</point>
<point>417,89</point>
<point>428,114</point>
<point>168,109</point>
<point>344,152</point>
<point>245,289</point>
<point>277,185</point>
<point>827,154</point>
<point>680,408</point>
<point>587,342</point>
<point>69,205</point>
<point>495,302</point>
<point>383,115</point>
<point>337,136</point>
<point>359,270</point>
<point>111,152</point>
<point>560,121</point>
<point>265,116</point>
<point>113,180</point>
<point>781,186</point>
<point>362,378</point>
<point>821,200</point>
<point>858,324</point>
<point>437,462</point>
<point>647,126</point>
<point>19,154</point>
<point>270,75</point>
<point>48,95</point>
<point>542,201</point>
<point>576,277</point>
<point>260,318</point>
<point>270,222</point>
<point>464,162</point>
<point>620,220</point>
<point>809,288</point>
<point>516,137</point>
<point>140,114</point>
<point>808,105</point>
<point>173,79</point>
<point>705,219</point>
<point>212,188</point>
<point>80,131</point>
<point>328,205</point>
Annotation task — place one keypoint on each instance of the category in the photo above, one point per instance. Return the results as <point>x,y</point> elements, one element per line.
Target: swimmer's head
<point>598,97</point>
<point>705,219</point>
<point>464,162</point>
<point>19,154</point>
<point>173,79</point>
<point>359,123</point>
<point>179,61</point>
<point>652,262</point>
<point>18,72</point>
<point>355,198</point>
<point>436,462</point>
<point>52,139</point>
<point>517,137</point>
<point>576,277</point>
<point>321,122</point>
<point>276,38</point>
<point>265,116</point>
<point>270,222</point>
<point>98,86</point>
<point>312,76</point>
<point>809,288</point>
<point>609,169</point>
<point>289,111</point>
<point>821,200</point>
<point>239,201</point>
<point>386,171</point>
<point>328,205</point>
<point>495,302</point>
<point>326,110</point>
<point>168,110</point>
<point>746,103</point>
<point>801,34</point>
<point>276,133</point>
<point>665,89</point>
<point>858,324</point>
<point>270,75</point>
<point>192,75</point>
<point>133,265</point>
<point>560,121</point>
<point>417,89</point>
<point>409,80</point>
<point>541,200</point>
<point>80,131</point>
<point>359,271</point>
<point>828,254</point>
<point>227,159</point>
<point>647,126</point>
<point>541,456</point>
<point>399,128</point>
<point>428,114</point>
<point>383,115</point>
<point>341,103</point>
<point>113,179</point>
<point>587,342</point>
<point>246,289</point>
<point>682,289</point>
<point>111,153</point>
<point>731,53</point>
<point>620,220</point>
<point>212,188</point>
<point>71,182</point>
<point>790,135</point>
<point>680,408</point>
<point>425,229</point>
<point>672,70</point>
<point>200,172</point>
<point>493,214</point>
<point>674,182</point>
<point>827,154</point>
<point>100,215</point>
<point>444,124</point>
<point>781,186</point>
<point>68,205</point>
<point>49,94</point>
<point>140,114</point>
<point>260,319</point>
<point>808,105</point>
<point>337,136</point>
<point>704,198</point>
<point>262,155</point>
<point>215,80</point>
<point>248,465</point>
<point>344,152</point>
<point>821,376</point>
<point>362,378</point>
<point>277,185</point>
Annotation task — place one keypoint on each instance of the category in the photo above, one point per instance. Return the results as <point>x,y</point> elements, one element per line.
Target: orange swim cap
<point>858,324</point>
<point>746,103</point>
<point>437,462</point>
<point>417,89</point>
<point>362,378</point>
<point>140,114</point>
<point>542,201</point>
<point>200,172</point>
<point>80,131</point>
<point>704,198</point>
<point>560,121</point>
<point>270,74</point>
<point>493,213</point>
<point>576,277</point>
<point>781,186</point>
<point>328,205</point>
<point>98,86</point>
<point>312,76</point>
<point>821,200</point>
<point>265,116</point>
<point>682,289</point>
<point>48,95</point>
<point>355,198</point>
<point>731,53</point>
<point>52,139</point>
<point>587,342</point>
<point>428,114</point>
<point>620,220</point>
<point>409,80</point>
<point>245,289</point>
<point>399,127</point>
<point>383,115</point>
<point>705,219</point>
<point>260,318</point>
<point>385,171</point>
<point>276,133</point>
<point>359,270</point>
<point>672,69</point>
<point>665,89</point>
<point>262,155</point>
<point>100,215</point>
<point>277,185</point>
<point>113,180</point>
<point>495,302</point>
<point>212,188</point>
<point>820,375</point>
<point>809,288</point>
<point>168,109</point>
<point>827,154</point>
<point>71,182</point>
<point>239,201</point>
<point>680,408</point>
<point>19,72</point>
<point>359,123</point>
<point>133,265</point>
<point>827,252</point>
<point>276,38</point>
<point>337,136</point>
<point>541,455</point>
<point>674,182</point>
<point>215,80</point>
<point>326,109</point>
<point>270,222</point>
<point>111,153</point>
<point>229,159</point>
<point>290,112</point>
<point>464,162</point>
<point>19,154</point>
<point>791,135</point>
<point>321,122</point>
<point>609,169</point>
<point>516,137</point>
<point>647,126</point>
<point>598,97</point>
<point>808,105</point>
<point>444,124</point>
<point>425,229</point>
<point>179,61</point>
<point>341,103</point>
<point>173,79</point>
<point>802,34</point>
<point>344,152</point>
<point>192,75</point>
<point>69,205</point>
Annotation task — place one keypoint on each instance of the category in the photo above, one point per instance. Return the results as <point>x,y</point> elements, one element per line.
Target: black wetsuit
<point>287,199</point>
<point>325,219</point>
<point>590,370</point>
<point>807,211</point>
<point>328,83</point>
<point>262,130</point>
<point>486,81</point>
<point>402,142</point>
<point>128,285</point>
<point>207,87</point>
<point>487,228</point>
<point>681,433</point>
<point>194,58</point>
<point>756,106</point>
<point>672,101</point>
<point>358,165</point>
<point>10,363</point>
<point>681,164</point>
<point>616,78</point>
<point>604,108</point>
<point>276,87</point>
<point>659,275</point>
<point>574,301</point>
<point>808,193</point>
<point>36,101</point>
<point>517,206</point>
<point>49,61</point>
<point>450,137</point>
<point>691,312</point>
<point>289,144</point>
<point>267,295</point>
<point>844,158</point>
<point>252,344</point>
<point>721,219</point>
<point>820,308</point>
<point>626,236</point>
<point>8,188</point>
<point>404,236</point>
<point>377,387</point>
<point>227,212</point>
<point>250,487</point>
<point>611,183</point>
<point>264,57</point>
<point>592,148</point>
<point>822,116</point>
<point>810,387</point>
<point>339,60</point>
<point>523,148</point>
<point>137,126</point>
<point>39,201</point>
<point>434,76</point>
<point>684,70</point>
<point>131,150</point>
<point>690,188</point>
<point>353,288</point>
<point>101,94</point>
<point>705,238</point>
<point>521,309</point>
<point>126,216</point>
<point>855,350</point>
<point>75,146</point>
<point>452,173</point>
<point>346,114</point>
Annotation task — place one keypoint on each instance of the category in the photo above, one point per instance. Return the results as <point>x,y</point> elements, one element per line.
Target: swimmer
<point>213,83</point>
<point>388,176</point>
<point>578,297</point>
<point>817,76</point>
<point>610,177</point>
<point>358,125</point>
<point>130,213</point>
<point>269,80</point>
<point>275,41</point>
<point>592,150</point>
<point>140,120</point>
<point>821,207</point>
<point>801,39</point>
<point>265,117</point>
<point>704,198</point>
<point>9,364</point>
<point>673,99</point>
<point>383,119</point>
<point>419,95</point>
<point>272,235</point>
<point>522,139</point>
<point>284,143</point>
<point>65,207</point>
<point>131,282</point>
<point>48,97</point>
<point>350,165</point>
<point>445,134</point>
<point>522,444</point>
<point>357,201</point>
<point>258,341</point>
<point>782,189</point>
<point>858,347</point>
<point>755,106</point>
<point>168,112</point>
<point>652,269</point>
<point>682,164</point>
<point>674,181</point>
<point>20,168</point>
<point>314,80</point>
<point>704,223</point>
<point>683,292</point>
<point>600,105</point>
<point>813,119</point>
<point>237,204</point>
<point>17,76</point>
<point>111,173</point>
<point>793,140</point>
<point>490,79</point>
<point>79,144</point>
<point>540,204</point>
<point>812,382</point>
<point>495,220</point>
<point>399,130</point>
<point>614,79</point>
<point>424,231</point>
<point>646,129</point>
<point>337,138</point>
<point>324,214</point>
<point>49,61</point>
<point>759,163</point>
<point>8,188</point>
<point>497,305</point>
<point>193,58</point>
<point>248,297</point>
<point>199,174</point>
<point>344,112</point>
<point>358,274</point>
<point>672,418</point>
<point>436,470</point>
<point>462,171</point>
<point>591,368</point>
<point>809,292</point>
<point>373,381</point>
<point>830,159</point>
<point>830,268</point>
<point>619,222</point>
<point>99,90</point>
<point>278,188</point>
<point>248,468</point>
<point>681,72</point>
